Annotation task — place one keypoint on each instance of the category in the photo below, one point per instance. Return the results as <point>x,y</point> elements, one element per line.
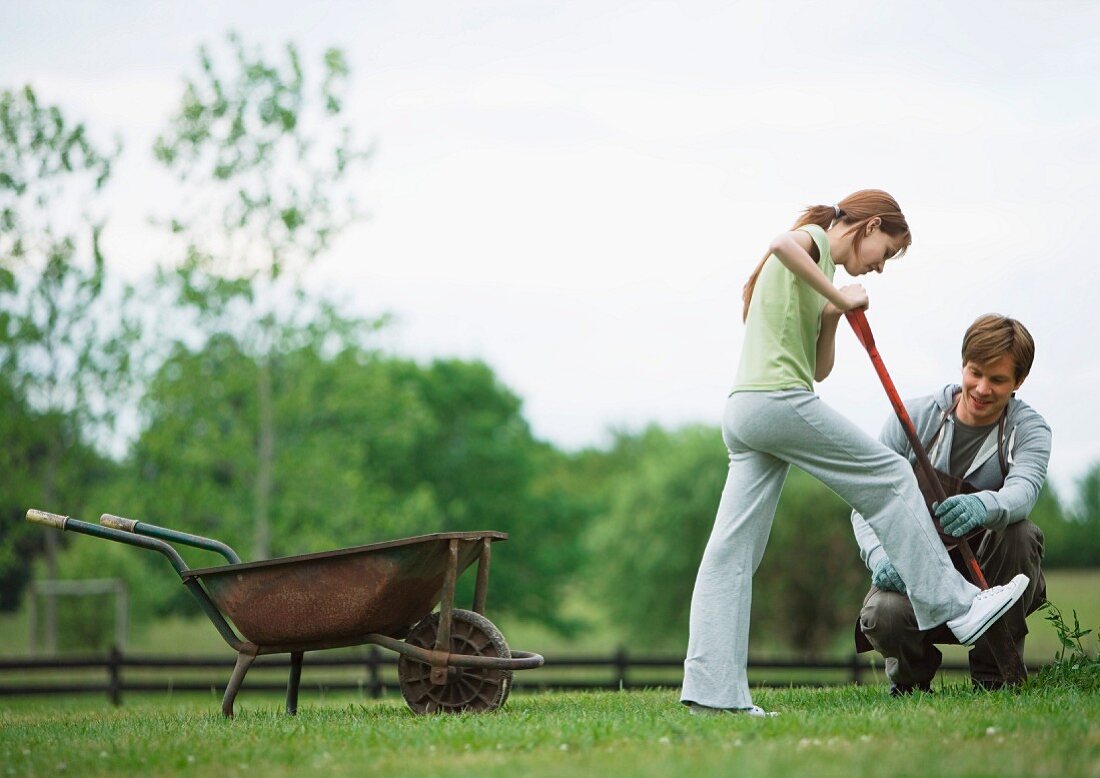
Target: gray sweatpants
<point>888,622</point>
<point>766,432</point>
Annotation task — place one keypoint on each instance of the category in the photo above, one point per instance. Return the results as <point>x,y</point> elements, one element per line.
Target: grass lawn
<point>835,732</point>
<point>845,731</point>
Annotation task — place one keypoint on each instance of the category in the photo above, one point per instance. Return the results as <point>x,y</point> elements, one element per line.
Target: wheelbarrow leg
<point>244,661</point>
<point>439,675</point>
<point>482,585</point>
<point>293,681</point>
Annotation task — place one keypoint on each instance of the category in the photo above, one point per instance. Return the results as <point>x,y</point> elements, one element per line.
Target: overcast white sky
<point>575,192</point>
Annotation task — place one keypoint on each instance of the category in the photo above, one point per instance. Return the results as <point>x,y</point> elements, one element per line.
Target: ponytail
<point>856,209</point>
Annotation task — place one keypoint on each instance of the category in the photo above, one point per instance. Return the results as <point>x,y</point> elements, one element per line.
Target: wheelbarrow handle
<point>111,532</point>
<point>69,524</point>
<point>171,535</point>
<point>35,516</point>
<point>117,522</point>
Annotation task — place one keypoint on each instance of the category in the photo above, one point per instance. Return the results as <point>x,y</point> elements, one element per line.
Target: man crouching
<point>994,450</point>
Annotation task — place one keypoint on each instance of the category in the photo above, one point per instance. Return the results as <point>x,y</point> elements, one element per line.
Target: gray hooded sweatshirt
<point>1008,498</point>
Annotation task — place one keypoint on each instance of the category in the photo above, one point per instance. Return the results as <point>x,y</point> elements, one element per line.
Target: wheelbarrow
<point>451,660</point>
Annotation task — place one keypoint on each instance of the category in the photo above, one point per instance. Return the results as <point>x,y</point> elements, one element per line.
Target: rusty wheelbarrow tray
<point>384,593</point>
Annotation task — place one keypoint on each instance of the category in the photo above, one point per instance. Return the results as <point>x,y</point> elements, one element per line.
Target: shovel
<point>999,640</point>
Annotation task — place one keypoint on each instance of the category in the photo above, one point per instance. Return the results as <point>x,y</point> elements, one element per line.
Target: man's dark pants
<point>888,622</point>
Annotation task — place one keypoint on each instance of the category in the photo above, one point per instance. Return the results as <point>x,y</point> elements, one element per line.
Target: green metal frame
<point>171,535</point>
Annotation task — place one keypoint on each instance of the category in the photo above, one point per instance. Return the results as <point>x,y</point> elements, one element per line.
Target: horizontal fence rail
<point>373,672</point>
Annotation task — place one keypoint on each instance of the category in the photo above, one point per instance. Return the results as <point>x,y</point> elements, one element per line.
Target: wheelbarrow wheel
<point>473,689</point>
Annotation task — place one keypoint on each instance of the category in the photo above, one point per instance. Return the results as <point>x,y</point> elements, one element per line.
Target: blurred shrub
<point>1072,531</point>
<point>661,491</point>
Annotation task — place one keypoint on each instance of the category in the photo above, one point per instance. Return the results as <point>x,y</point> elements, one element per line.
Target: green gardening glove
<point>886,577</point>
<point>960,514</point>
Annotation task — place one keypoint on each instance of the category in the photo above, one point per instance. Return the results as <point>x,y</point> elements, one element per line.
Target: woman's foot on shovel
<point>986,608</point>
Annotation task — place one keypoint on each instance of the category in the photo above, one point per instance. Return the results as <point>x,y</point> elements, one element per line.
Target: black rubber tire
<point>471,689</point>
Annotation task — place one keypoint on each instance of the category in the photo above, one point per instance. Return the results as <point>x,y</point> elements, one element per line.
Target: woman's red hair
<point>856,210</point>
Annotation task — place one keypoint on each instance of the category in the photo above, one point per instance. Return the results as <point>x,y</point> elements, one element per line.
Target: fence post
<point>374,657</point>
<point>857,669</point>
<point>620,667</point>
<point>32,616</point>
<point>114,675</point>
<point>122,613</point>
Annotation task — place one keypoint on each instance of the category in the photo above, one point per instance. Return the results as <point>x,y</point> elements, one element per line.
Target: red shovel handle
<point>858,320</point>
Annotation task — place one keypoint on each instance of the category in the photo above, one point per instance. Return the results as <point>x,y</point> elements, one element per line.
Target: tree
<point>63,345</point>
<point>1088,498</point>
<point>375,448</point>
<point>658,504</point>
<point>265,162</point>
<point>16,544</point>
<point>811,580</point>
<point>660,501</point>
<point>347,425</point>
<point>26,458</point>
<point>485,470</point>
<point>1073,536</point>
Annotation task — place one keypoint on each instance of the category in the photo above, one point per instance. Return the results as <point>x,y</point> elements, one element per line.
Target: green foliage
<point>268,421</point>
<point>485,471</point>
<point>40,149</point>
<point>153,586</point>
<point>85,622</point>
<point>1073,665</point>
<point>1073,535</point>
<point>371,448</point>
<point>266,161</point>
<point>811,578</point>
<point>662,492</point>
<point>194,466</point>
<point>659,503</point>
<point>832,733</point>
<point>18,542</point>
<point>27,465</point>
<point>63,344</point>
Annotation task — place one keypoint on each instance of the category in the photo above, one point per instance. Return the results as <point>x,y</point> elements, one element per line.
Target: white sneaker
<point>987,607</point>
<point>695,709</point>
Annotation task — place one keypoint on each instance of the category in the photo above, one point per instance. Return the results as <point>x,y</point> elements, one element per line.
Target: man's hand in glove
<point>960,514</point>
<point>886,577</point>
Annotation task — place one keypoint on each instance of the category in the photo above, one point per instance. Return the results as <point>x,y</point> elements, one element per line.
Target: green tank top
<point>780,348</point>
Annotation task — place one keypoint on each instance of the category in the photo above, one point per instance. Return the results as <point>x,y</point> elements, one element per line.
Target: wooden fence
<point>373,673</point>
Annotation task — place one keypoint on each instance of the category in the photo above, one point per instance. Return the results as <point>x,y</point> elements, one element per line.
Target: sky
<point>576,192</point>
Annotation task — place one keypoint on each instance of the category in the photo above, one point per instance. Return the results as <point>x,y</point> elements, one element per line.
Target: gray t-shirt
<point>965,445</point>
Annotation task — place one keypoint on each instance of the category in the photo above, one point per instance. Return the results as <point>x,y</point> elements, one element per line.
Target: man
<point>999,446</point>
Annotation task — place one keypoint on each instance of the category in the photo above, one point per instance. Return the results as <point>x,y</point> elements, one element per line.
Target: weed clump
<point>1073,666</point>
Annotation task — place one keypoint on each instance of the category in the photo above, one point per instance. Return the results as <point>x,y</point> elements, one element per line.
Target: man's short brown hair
<point>991,336</point>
